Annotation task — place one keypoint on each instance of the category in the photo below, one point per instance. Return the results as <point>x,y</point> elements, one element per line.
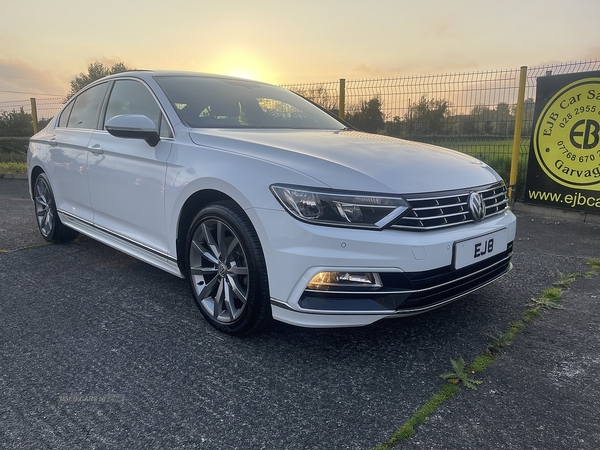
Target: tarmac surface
<point>101,351</point>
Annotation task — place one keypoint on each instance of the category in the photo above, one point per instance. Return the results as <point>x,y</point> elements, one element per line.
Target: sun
<point>242,64</point>
<point>244,72</point>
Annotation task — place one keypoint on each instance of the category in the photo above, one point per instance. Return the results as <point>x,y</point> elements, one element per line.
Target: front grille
<point>446,209</point>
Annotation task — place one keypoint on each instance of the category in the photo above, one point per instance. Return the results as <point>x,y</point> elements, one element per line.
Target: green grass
<point>497,153</point>
<point>406,431</point>
<point>13,168</point>
<point>461,374</point>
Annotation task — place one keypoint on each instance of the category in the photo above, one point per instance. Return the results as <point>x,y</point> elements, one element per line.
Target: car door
<point>69,152</point>
<point>127,176</point>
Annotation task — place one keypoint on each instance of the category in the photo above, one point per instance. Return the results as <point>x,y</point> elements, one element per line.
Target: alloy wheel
<point>44,207</point>
<point>219,271</point>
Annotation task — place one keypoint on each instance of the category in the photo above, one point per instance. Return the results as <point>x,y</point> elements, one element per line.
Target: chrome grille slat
<point>450,209</point>
<point>496,196</point>
<point>440,216</point>
<point>441,197</point>
<point>425,208</point>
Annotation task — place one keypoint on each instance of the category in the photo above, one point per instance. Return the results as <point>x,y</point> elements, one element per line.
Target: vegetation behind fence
<point>470,112</point>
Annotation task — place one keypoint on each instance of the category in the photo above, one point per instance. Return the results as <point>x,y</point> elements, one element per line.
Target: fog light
<point>329,281</point>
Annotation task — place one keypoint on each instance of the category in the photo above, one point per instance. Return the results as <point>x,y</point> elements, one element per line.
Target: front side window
<point>85,110</point>
<point>132,97</point>
<point>205,102</point>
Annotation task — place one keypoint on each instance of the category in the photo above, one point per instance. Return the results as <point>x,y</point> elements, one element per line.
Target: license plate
<point>471,251</point>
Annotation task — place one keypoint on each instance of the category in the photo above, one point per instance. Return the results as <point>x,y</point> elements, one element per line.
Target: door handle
<point>96,149</point>
<point>52,142</point>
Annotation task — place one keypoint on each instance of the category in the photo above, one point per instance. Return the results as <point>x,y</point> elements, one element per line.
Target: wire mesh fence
<point>47,107</point>
<point>472,112</point>
<point>16,125</point>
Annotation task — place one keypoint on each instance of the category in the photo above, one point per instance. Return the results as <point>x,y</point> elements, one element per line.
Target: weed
<point>482,362</point>
<point>515,327</point>
<point>461,374</point>
<point>531,314</point>
<point>548,299</point>
<point>499,342</point>
<point>566,280</point>
<point>594,263</point>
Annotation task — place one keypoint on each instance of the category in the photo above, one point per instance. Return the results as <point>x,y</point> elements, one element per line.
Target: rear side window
<point>64,117</point>
<point>86,108</point>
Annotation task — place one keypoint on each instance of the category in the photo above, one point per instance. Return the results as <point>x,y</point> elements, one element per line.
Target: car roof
<point>146,73</point>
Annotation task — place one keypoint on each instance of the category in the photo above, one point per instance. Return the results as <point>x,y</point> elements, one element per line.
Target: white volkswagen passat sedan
<point>271,207</point>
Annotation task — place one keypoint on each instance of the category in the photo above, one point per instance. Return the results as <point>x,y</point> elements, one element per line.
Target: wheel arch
<point>35,172</point>
<point>195,202</point>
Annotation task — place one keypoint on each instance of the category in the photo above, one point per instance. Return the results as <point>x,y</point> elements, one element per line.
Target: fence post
<point>342,112</point>
<point>514,164</point>
<point>34,115</point>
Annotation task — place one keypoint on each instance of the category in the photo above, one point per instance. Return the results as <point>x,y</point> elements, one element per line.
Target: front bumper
<point>416,268</point>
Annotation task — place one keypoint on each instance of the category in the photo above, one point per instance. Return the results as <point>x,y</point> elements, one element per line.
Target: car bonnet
<point>355,160</point>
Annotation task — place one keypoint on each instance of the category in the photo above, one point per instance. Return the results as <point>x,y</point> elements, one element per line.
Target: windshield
<point>204,102</point>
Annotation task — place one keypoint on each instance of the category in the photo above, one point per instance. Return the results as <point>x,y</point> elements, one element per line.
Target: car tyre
<point>226,269</point>
<point>49,224</point>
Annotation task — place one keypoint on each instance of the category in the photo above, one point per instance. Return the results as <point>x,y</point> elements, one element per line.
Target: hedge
<point>13,149</point>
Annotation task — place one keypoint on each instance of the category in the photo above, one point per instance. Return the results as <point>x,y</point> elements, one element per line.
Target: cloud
<point>20,81</point>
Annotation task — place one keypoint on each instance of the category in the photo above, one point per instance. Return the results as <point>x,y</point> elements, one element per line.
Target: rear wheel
<point>227,271</point>
<point>51,228</point>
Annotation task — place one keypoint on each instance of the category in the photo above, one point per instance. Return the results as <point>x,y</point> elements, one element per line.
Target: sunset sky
<point>44,45</point>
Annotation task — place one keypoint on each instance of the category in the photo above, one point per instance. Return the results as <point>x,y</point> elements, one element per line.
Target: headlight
<point>340,208</point>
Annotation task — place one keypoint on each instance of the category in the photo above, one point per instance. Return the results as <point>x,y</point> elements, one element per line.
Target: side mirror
<point>133,126</point>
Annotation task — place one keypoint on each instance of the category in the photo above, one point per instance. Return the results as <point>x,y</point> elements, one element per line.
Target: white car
<point>271,207</point>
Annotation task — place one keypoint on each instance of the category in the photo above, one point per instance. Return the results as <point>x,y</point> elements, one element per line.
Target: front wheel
<point>51,228</point>
<point>227,271</point>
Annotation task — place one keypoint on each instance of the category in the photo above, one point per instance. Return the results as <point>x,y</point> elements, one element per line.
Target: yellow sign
<point>567,136</point>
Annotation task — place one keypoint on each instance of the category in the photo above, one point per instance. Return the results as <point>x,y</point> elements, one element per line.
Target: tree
<point>15,123</point>
<point>369,117</point>
<point>503,119</point>
<point>18,123</point>
<point>483,119</point>
<point>322,96</point>
<point>428,116</point>
<point>96,70</point>
<point>528,111</point>
<point>397,127</point>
